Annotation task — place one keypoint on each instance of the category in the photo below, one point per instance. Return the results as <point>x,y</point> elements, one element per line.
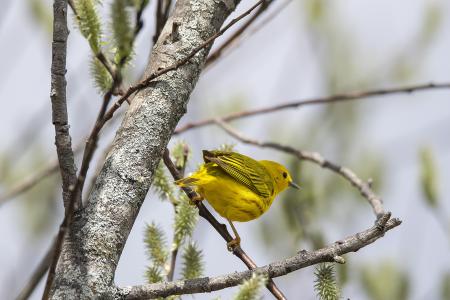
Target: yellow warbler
<point>238,187</point>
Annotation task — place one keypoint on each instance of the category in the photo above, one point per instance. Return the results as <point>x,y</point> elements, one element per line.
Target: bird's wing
<point>243,169</point>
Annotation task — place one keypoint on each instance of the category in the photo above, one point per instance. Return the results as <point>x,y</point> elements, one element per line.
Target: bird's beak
<point>294,185</point>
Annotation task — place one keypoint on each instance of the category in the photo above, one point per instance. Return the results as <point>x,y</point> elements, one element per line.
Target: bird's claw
<point>196,198</point>
<point>233,244</point>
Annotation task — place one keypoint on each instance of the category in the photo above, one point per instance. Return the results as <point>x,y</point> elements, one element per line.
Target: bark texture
<point>99,231</point>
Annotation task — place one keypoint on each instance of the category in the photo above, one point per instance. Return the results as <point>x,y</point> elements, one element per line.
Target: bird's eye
<point>284,174</point>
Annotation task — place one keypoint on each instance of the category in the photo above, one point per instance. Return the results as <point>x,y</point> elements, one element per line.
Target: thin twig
<point>108,66</point>
<point>320,100</point>
<point>98,168</point>
<point>362,186</point>
<point>303,259</point>
<point>220,228</point>
<point>218,52</point>
<point>59,111</point>
<point>91,143</point>
<point>244,37</point>
<point>173,260</point>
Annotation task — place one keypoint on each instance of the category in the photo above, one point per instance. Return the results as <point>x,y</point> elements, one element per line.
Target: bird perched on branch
<point>238,187</point>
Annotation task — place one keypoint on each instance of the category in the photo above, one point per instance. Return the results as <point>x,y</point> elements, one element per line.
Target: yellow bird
<point>238,187</point>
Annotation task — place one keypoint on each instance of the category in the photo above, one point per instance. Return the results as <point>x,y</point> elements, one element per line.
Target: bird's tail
<point>188,181</point>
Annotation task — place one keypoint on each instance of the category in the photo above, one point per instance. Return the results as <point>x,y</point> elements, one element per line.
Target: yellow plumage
<point>238,187</point>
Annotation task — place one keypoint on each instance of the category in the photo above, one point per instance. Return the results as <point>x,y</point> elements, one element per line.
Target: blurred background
<point>298,49</point>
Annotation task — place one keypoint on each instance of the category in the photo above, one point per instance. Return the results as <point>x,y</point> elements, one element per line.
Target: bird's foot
<point>196,198</point>
<point>233,244</point>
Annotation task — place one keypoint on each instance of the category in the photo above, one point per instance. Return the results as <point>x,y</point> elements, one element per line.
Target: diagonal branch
<point>220,228</point>
<point>303,259</point>
<point>320,100</point>
<point>362,186</point>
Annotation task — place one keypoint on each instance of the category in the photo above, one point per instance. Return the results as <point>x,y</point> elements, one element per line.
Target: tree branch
<point>320,100</point>
<point>363,187</point>
<point>218,52</point>
<point>237,41</point>
<point>58,98</point>
<point>59,111</point>
<point>302,259</point>
<point>220,228</point>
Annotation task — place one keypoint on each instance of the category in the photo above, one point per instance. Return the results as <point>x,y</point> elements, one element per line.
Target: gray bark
<point>99,231</point>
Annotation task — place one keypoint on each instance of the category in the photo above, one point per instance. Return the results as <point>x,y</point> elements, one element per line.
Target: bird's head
<point>280,175</point>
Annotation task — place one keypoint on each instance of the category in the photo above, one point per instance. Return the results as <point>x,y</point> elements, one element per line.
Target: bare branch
<point>218,52</point>
<point>173,260</point>
<point>237,41</point>
<point>220,228</point>
<point>59,112</point>
<point>320,100</point>
<point>363,187</point>
<point>63,141</point>
<point>301,260</point>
